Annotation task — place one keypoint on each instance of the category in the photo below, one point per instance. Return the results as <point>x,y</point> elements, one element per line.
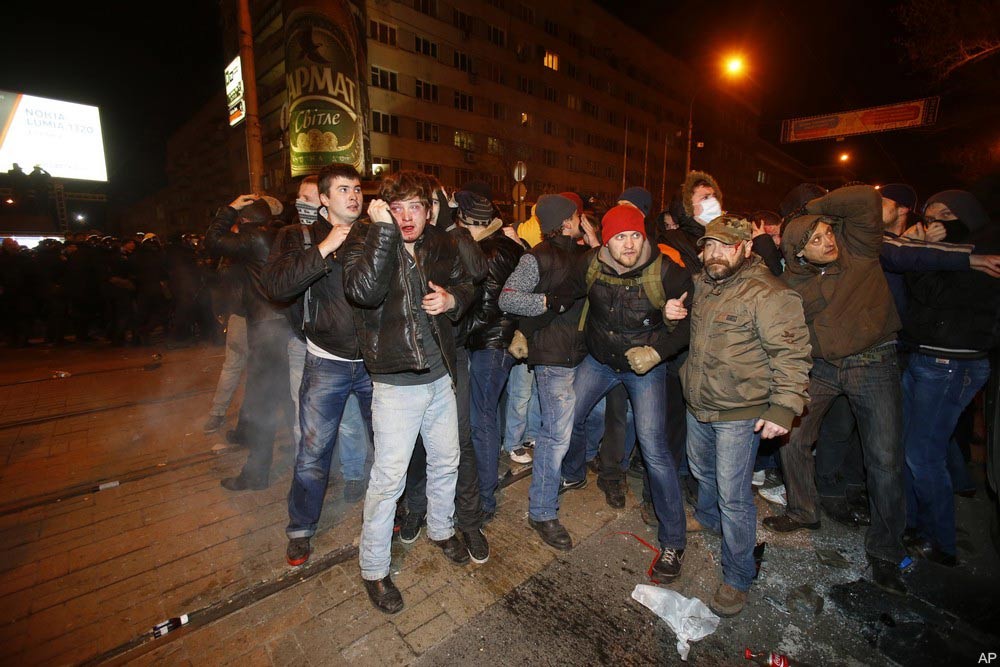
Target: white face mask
<point>710,210</point>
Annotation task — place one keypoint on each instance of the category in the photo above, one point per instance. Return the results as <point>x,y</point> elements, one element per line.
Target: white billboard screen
<point>64,138</point>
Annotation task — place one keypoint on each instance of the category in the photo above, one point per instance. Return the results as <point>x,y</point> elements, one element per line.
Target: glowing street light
<point>844,157</point>
<point>734,66</point>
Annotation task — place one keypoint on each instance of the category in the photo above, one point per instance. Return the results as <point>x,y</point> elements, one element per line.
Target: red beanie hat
<point>575,198</point>
<point>622,218</point>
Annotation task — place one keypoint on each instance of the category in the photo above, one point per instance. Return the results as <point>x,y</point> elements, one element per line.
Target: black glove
<point>559,303</point>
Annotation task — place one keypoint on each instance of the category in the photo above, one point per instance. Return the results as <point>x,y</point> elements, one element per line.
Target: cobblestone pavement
<point>112,520</point>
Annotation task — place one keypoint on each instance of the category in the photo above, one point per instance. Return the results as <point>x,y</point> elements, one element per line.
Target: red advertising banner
<point>916,113</point>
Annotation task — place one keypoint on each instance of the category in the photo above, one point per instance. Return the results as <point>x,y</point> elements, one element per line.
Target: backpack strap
<point>306,244</point>
<point>649,280</point>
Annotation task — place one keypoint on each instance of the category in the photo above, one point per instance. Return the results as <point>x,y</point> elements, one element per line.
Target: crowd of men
<point>92,287</point>
<point>849,330</point>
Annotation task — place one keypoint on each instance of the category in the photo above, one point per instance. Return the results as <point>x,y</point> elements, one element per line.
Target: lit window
<point>551,60</point>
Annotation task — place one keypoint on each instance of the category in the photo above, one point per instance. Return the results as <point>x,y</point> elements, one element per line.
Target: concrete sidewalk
<point>86,573</point>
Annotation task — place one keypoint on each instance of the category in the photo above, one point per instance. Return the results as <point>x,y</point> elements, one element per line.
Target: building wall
<point>465,89</point>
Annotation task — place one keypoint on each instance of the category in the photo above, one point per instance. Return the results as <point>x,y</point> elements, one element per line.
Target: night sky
<point>149,74</point>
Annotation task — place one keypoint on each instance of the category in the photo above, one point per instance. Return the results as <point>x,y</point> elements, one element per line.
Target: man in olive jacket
<point>745,378</point>
<point>832,258</point>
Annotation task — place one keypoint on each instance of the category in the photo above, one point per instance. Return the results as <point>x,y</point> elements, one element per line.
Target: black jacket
<point>292,269</point>
<point>621,317</point>
<point>385,307</point>
<point>553,339</point>
<point>249,248</point>
<point>475,265</point>
<point>490,327</point>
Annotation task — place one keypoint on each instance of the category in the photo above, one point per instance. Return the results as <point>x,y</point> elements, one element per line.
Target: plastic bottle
<point>170,624</point>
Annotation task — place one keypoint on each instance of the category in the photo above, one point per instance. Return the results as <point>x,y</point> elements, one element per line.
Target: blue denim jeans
<point>935,392</point>
<point>871,382</point>
<point>488,375</point>
<point>721,457</point>
<point>556,400</point>
<point>399,414</point>
<point>353,437</point>
<point>523,416</point>
<point>326,385</point>
<point>647,395</point>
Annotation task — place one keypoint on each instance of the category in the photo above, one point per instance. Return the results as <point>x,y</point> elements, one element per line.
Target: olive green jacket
<point>749,356</point>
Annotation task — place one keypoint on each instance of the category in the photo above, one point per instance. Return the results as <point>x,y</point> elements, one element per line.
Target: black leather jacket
<point>490,327</point>
<point>249,248</point>
<point>385,305</point>
<point>292,268</point>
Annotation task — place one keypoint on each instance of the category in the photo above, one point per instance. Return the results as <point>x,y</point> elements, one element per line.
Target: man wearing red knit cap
<point>628,282</point>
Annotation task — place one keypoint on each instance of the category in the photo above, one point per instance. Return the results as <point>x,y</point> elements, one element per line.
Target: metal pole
<point>645,159</point>
<point>687,164</point>
<point>625,155</point>
<point>663,184</point>
<point>255,152</point>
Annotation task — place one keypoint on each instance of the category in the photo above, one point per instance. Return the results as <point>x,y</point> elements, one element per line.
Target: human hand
<point>378,211</point>
<point>988,264</point>
<point>769,429</point>
<point>935,232</point>
<point>756,228</point>
<point>518,346</point>
<point>559,302</point>
<point>242,200</point>
<point>335,239</point>
<point>589,232</point>
<point>438,300</point>
<point>642,358</point>
<point>674,309</point>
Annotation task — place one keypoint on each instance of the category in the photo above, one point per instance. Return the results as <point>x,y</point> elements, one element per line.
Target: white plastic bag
<point>689,618</point>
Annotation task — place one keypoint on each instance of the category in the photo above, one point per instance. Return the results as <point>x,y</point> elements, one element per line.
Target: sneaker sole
<point>725,614</point>
<point>478,561</point>
<point>297,561</point>
<point>522,461</point>
<point>411,541</point>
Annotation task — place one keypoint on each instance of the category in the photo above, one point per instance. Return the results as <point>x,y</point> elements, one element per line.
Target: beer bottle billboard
<point>325,121</point>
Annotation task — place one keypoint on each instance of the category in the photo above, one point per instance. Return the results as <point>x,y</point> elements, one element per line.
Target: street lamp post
<point>733,67</point>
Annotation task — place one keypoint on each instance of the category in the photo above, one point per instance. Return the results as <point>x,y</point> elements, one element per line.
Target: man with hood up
<point>832,257</point>
<point>951,323</point>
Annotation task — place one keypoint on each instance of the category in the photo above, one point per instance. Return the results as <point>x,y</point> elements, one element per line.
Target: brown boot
<point>693,525</point>
<point>728,601</point>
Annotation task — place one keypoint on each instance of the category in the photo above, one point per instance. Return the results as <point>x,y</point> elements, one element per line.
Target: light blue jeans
<point>353,442</point>
<point>522,416</point>
<point>399,414</point>
<point>233,366</point>
<point>556,399</point>
<point>721,456</point>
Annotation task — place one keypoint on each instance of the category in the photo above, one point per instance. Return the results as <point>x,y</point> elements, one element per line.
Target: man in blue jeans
<point>628,281</point>
<point>832,252</point>
<point>305,267</point>
<point>408,284</point>
<point>546,292</point>
<point>745,378</point>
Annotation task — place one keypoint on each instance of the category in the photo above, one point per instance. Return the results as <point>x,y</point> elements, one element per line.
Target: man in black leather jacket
<point>408,284</point>
<point>267,333</point>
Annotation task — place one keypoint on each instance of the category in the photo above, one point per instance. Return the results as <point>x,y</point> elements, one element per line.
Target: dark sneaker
<point>454,550</point>
<point>636,468</point>
<point>565,486</point>
<point>242,483</point>
<point>786,524</point>
<point>614,492</point>
<point>384,595</point>
<point>648,514</point>
<point>887,577</point>
<point>409,528</point>
<point>488,516</point>
<point>354,490</point>
<point>235,437</point>
<point>668,565</point>
<point>594,466</point>
<point>552,533</point>
<point>727,601</point>
<point>213,424</point>
<point>477,546</point>
<point>298,551</point>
